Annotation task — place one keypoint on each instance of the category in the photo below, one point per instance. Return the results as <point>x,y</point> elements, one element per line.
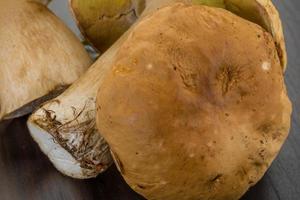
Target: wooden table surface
<point>25,173</point>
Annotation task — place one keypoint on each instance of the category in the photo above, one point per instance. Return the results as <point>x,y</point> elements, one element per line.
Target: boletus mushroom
<point>70,118</point>
<point>40,56</point>
<point>187,109</point>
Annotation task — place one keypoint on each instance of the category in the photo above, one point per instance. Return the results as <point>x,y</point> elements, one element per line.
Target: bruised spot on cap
<point>266,66</point>
<point>149,66</point>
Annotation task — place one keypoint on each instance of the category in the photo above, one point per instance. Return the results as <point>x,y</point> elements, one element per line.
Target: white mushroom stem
<point>70,118</point>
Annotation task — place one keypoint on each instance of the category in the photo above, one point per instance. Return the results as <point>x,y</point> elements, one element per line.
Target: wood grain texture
<point>25,173</point>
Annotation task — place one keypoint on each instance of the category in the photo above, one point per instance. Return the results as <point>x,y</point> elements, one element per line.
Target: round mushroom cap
<point>195,106</point>
<point>103,21</point>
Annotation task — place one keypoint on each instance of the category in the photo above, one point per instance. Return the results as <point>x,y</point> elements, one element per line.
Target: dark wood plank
<point>25,173</point>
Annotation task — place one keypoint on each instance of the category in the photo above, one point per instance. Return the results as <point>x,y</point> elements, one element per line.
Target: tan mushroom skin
<point>194,109</point>
<point>39,56</point>
<point>105,21</point>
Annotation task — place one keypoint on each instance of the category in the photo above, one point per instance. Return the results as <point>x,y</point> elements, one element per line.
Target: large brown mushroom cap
<point>195,106</point>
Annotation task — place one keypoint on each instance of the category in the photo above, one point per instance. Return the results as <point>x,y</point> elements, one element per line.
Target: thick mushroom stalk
<point>40,57</point>
<point>72,114</point>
